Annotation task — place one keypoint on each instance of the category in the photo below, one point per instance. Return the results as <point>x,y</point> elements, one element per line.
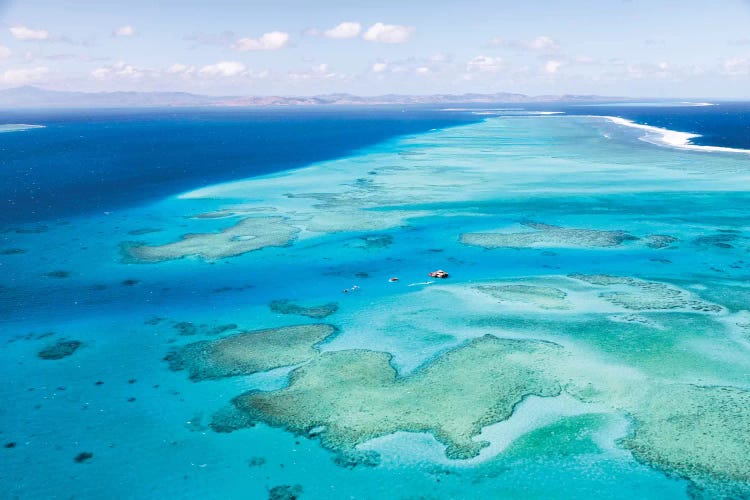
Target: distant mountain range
<point>33,97</point>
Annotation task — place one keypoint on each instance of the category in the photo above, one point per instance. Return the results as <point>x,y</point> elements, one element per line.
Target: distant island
<point>34,97</point>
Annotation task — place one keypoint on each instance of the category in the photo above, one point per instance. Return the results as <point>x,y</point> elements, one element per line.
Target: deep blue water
<point>96,161</point>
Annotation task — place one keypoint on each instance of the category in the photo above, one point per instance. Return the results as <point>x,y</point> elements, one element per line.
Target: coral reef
<point>641,295</point>
<point>247,235</point>
<point>541,296</point>
<point>249,352</point>
<point>694,431</point>
<point>546,236</point>
<point>356,396</point>
<point>317,312</point>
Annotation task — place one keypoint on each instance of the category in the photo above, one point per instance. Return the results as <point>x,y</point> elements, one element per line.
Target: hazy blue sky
<point>615,47</point>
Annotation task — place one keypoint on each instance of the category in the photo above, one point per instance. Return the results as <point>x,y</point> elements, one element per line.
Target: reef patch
<point>356,395</point>
<point>249,352</point>
<point>701,432</point>
<point>316,312</point>
<point>248,235</point>
<point>641,295</point>
<point>544,297</point>
<point>547,236</point>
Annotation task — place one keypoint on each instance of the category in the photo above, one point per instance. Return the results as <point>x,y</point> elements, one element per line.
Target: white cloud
<point>318,72</point>
<point>388,33</point>
<point>180,69</point>
<point>552,66</point>
<point>379,67</point>
<point>543,43</point>
<point>124,31</point>
<point>119,69</point>
<point>737,66</point>
<point>22,76</point>
<point>485,64</point>
<point>5,52</point>
<point>273,40</point>
<point>538,44</point>
<point>346,29</point>
<point>27,34</point>
<point>422,70</point>
<point>223,69</point>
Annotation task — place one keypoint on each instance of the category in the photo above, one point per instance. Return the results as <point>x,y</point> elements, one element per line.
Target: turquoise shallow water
<point>642,394</point>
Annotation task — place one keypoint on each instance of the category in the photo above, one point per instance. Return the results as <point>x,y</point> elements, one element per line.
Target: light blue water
<point>424,191</point>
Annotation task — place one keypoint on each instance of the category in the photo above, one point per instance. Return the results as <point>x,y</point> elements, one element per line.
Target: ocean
<point>103,160</point>
<point>237,304</point>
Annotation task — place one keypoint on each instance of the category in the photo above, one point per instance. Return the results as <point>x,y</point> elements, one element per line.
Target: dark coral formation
<point>185,328</point>
<point>660,240</point>
<point>82,457</point>
<point>12,251</point>
<point>316,312</point>
<point>355,458</point>
<point>285,492</point>
<point>60,349</point>
<point>57,274</point>
<point>256,462</point>
<point>375,241</point>
<point>145,230</point>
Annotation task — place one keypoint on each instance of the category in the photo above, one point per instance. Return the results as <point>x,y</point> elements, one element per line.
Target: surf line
<point>674,138</point>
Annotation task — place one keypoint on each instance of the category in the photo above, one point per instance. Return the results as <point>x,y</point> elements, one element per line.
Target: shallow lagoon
<point>637,289</point>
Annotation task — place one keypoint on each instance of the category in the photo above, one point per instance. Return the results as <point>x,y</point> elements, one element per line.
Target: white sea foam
<point>17,127</point>
<point>516,113</point>
<point>650,104</point>
<point>664,136</point>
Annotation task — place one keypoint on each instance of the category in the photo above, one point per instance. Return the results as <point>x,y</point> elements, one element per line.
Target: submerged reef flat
<point>316,312</point>
<point>544,297</point>
<point>695,431</point>
<point>640,295</point>
<point>546,236</point>
<point>356,395</point>
<point>346,219</point>
<point>246,236</point>
<point>249,352</point>
<point>235,211</point>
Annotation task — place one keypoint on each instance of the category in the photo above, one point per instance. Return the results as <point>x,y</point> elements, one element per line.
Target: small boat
<point>439,274</point>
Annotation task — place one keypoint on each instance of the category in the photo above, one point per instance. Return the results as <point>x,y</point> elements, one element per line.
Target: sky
<point>650,48</point>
